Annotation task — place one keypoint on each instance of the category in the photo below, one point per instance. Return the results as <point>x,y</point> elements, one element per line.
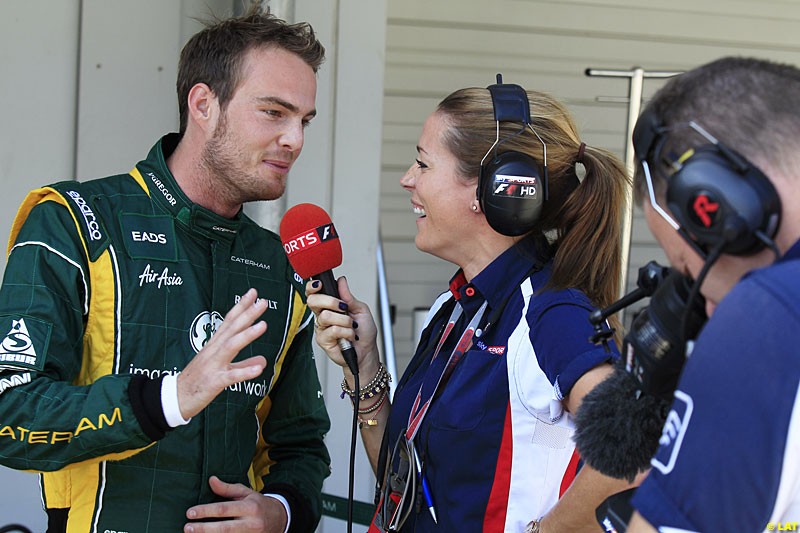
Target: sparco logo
<point>203,327</point>
<point>161,187</point>
<point>88,216</point>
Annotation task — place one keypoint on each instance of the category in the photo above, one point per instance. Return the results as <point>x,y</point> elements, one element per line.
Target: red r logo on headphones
<point>704,208</point>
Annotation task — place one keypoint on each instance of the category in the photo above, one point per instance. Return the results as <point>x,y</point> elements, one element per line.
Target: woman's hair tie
<point>580,168</point>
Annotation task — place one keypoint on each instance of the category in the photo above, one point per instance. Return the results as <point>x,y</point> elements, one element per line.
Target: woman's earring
<point>475,207</point>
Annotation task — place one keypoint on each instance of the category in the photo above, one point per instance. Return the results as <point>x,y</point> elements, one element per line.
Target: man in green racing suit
<point>111,383</point>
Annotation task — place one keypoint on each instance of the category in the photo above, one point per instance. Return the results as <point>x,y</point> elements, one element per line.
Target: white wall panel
<point>38,85</point>
<point>435,47</point>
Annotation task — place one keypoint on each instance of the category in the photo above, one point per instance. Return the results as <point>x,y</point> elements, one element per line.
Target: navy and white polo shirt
<point>496,442</point>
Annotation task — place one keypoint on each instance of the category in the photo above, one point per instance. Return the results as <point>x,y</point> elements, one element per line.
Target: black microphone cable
<point>353,432</point>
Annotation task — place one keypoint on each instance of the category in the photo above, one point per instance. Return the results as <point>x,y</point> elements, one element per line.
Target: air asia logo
<point>704,210</point>
<point>17,346</point>
<point>203,327</point>
<point>309,239</point>
<point>674,430</point>
<point>88,216</point>
<point>163,279</point>
<point>514,186</point>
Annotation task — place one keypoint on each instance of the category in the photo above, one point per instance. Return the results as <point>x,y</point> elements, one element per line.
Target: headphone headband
<point>510,102</point>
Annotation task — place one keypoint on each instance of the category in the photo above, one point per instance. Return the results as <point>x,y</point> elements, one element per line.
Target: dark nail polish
<point>315,284</point>
<point>343,306</point>
<point>356,337</point>
<point>355,324</point>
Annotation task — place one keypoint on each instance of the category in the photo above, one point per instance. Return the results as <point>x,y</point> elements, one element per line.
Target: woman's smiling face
<point>440,197</point>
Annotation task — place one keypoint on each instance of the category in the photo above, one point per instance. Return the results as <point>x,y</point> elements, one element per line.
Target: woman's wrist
<point>378,384</point>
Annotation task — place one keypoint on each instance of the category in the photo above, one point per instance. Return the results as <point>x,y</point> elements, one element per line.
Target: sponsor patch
<point>159,279</point>
<point>24,342</point>
<point>90,223</point>
<point>203,327</point>
<point>497,350</point>
<point>149,237</point>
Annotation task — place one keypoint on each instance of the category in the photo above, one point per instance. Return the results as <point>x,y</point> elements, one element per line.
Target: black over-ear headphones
<point>511,189</point>
<point>719,198</point>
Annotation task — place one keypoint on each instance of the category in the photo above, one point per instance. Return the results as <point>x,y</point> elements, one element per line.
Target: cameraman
<point>719,179</point>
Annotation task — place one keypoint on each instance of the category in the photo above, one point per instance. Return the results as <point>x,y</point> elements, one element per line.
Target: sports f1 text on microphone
<point>120,380</point>
<point>719,178</point>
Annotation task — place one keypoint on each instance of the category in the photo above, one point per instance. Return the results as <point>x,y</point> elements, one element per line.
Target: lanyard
<point>425,394</point>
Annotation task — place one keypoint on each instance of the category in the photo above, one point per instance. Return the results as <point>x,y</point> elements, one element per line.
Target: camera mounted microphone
<point>619,423</point>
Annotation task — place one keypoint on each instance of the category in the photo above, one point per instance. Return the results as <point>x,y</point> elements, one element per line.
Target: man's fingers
<point>244,370</point>
<point>244,313</point>
<point>231,491</point>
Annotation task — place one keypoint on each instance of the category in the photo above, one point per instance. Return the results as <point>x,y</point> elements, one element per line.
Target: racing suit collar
<point>165,192</point>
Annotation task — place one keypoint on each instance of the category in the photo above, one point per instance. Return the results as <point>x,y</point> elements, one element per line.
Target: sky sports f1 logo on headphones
<point>310,238</point>
<point>514,186</point>
<point>704,210</point>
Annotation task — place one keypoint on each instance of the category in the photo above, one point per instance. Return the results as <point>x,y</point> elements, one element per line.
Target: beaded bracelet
<point>375,406</point>
<point>377,385</point>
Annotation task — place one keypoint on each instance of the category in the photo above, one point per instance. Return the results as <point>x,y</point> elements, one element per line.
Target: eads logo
<point>203,327</point>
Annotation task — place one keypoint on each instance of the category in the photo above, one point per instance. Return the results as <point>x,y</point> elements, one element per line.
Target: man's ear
<point>203,107</point>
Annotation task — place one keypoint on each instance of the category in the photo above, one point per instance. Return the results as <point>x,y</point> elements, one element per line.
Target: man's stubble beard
<point>223,160</point>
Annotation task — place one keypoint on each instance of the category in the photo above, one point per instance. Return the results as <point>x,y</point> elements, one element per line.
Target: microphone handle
<point>331,288</point>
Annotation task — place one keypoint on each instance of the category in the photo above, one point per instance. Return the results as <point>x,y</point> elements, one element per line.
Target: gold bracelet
<point>372,422</point>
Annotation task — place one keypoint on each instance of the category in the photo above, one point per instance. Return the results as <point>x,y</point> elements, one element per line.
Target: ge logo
<point>203,327</point>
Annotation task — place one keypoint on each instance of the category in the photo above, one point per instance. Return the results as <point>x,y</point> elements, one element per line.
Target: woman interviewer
<point>479,433</point>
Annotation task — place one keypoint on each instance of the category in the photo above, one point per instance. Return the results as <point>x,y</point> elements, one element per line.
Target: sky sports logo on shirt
<point>309,239</point>
<point>672,435</point>
<point>497,350</point>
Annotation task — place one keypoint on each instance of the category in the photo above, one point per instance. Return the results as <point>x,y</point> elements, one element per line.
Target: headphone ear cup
<point>715,203</point>
<point>511,192</point>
